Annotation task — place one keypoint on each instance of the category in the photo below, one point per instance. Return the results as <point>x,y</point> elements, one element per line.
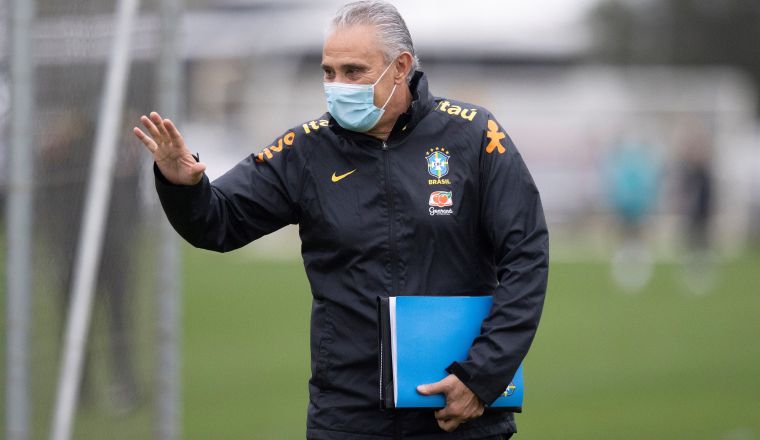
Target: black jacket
<point>445,207</point>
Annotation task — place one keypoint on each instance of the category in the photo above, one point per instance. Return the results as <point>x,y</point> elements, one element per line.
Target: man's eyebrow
<point>352,66</point>
<point>348,66</point>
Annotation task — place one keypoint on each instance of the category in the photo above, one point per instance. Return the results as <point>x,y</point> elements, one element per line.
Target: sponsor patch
<point>440,203</point>
<point>494,138</point>
<point>440,199</point>
<point>283,142</point>
<point>467,114</point>
<point>440,211</point>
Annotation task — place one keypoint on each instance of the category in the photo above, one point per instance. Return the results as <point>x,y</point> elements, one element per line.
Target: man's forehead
<point>352,45</point>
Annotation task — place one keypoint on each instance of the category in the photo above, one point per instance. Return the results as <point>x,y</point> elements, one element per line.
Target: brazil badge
<point>438,163</point>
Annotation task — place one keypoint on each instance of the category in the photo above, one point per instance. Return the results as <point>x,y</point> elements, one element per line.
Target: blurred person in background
<point>632,187</point>
<point>67,146</point>
<point>395,192</point>
<point>697,195</point>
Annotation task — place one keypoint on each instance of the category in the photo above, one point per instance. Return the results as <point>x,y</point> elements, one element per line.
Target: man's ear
<point>403,66</point>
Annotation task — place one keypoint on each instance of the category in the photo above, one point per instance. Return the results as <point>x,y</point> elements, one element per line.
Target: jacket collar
<point>422,103</point>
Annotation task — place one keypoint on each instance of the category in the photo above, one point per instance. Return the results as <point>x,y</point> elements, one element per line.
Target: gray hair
<point>391,28</point>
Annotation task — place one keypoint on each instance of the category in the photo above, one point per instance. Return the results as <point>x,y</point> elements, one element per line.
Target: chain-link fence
<point>60,84</point>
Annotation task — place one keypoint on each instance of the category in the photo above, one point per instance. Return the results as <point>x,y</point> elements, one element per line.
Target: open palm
<point>173,158</point>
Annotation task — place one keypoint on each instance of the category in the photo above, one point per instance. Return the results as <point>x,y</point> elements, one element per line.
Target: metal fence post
<point>168,383</point>
<point>93,223</point>
<point>19,221</point>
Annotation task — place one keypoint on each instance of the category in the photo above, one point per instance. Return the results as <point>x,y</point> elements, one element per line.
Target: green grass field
<point>661,364</point>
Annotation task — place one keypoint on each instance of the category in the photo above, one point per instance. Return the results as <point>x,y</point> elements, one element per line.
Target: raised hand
<point>173,158</point>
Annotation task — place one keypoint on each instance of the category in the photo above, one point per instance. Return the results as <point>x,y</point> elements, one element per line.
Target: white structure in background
<point>253,72</point>
<point>261,76</point>
<point>563,120</point>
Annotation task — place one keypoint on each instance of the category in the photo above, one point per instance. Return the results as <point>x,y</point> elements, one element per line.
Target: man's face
<point>353,55</point>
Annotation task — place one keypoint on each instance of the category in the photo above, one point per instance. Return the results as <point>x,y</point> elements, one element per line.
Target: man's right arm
<point>247,202</point>
<point>254,198</point>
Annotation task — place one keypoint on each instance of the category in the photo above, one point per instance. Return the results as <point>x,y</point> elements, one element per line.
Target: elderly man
<point>395,192</point>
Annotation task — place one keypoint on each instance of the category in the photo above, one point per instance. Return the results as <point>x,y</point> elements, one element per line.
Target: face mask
<point>353,105</point>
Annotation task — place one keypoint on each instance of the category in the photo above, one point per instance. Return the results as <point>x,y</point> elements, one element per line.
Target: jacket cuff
<point>177,198</point>
<point>481,390</point>
<point>162,183</point>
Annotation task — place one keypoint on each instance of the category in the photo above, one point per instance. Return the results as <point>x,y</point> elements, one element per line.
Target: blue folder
<point>422,335</point>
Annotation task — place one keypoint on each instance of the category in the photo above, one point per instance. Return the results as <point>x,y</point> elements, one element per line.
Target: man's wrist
<point>457,370</point>
<point>164,182</point>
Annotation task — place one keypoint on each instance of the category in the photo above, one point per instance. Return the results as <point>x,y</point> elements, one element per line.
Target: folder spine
<point>384,355</point>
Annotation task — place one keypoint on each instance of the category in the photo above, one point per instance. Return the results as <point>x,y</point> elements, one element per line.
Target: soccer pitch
<point>661,364</point>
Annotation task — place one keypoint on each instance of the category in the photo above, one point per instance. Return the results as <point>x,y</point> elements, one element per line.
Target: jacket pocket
<point>322,330</point>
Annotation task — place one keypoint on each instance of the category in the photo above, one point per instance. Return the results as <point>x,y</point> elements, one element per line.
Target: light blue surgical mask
<point>353,105</point>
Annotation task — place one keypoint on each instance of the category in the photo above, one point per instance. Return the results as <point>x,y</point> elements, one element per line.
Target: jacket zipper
<point>391,217</point>
<point>397,432</point>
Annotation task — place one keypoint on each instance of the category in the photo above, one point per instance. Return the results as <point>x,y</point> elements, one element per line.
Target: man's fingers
<point>155,117</point>
<point>433,388</point>
<point>449,425</point>
<point>480,411</point>
<point>449,419</point>
<point>149,143</point>
<point>174,133</point>
<point>461,404</point>
<point>151,127</point>
<point>458,413</point>
<point>159,121</point>
<point>444,414</point>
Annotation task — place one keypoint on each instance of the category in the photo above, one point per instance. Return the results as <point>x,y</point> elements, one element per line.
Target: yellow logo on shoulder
<point>494,138</point>
<point>267,152</point>
<point>315,125</point>
<point>465,113</point>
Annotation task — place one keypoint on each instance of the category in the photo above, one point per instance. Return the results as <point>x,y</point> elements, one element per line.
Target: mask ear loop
<point>389,97</point>
<point>382,74</point>
<point>392,91</point>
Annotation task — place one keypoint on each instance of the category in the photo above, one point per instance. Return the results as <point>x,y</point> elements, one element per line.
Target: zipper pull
<point>385,146</point>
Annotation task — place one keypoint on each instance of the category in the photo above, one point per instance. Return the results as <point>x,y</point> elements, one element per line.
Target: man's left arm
<point>513,220</point>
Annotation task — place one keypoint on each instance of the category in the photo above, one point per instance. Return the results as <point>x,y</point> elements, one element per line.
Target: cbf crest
<point>438,162</point>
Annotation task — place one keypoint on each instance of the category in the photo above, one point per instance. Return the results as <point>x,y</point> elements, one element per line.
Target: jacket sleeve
<point>257,196</point>
<point>513,220</point>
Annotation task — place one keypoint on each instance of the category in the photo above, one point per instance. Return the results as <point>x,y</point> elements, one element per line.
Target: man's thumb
<point>196,173</point>
<point>431,388</point>
<point>199,168</point>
